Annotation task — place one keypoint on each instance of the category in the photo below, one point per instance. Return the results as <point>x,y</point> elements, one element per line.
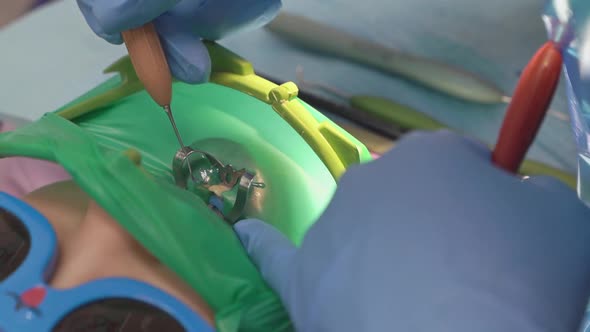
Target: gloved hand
<point>181,25</point>
<point>433,237</point>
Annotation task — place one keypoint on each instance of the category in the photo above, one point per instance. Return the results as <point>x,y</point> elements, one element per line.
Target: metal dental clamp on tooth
<point>203,170</point>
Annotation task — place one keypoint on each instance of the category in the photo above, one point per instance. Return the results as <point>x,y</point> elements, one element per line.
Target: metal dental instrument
<point>327,40</point>
<point>149,61</point>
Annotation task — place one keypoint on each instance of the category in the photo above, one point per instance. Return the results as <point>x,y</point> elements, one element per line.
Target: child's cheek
<point>19,176</point>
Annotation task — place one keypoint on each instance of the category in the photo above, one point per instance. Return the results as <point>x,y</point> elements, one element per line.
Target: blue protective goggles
<point>28,252</point>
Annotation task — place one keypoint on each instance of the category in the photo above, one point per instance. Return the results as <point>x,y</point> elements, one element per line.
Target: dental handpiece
<point>149,61</point>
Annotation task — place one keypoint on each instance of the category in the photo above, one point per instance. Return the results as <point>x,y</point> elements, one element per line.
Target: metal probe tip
<point>171,117</point>
<point>182,146</point>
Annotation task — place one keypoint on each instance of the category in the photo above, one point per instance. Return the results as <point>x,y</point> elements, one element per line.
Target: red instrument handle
<point>528,107</point>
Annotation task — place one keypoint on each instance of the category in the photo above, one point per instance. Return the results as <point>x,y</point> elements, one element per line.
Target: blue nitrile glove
<point>432,237</point>
<point>181,25</point>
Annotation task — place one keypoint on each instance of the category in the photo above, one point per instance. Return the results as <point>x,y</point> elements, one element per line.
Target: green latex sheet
<point>175,225</point>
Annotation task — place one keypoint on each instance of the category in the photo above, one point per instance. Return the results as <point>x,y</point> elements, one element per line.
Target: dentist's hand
<point>181,25</point>
<point>433,237</point>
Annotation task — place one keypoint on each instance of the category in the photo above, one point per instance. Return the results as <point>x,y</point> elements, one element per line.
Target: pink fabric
<point>19,176</point>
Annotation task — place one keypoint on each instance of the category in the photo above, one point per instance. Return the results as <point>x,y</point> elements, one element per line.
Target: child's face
<point>92,246</point>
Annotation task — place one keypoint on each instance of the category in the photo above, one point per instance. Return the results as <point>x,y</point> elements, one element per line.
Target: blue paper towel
<point>494,39</point>
<point>51,57</point>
